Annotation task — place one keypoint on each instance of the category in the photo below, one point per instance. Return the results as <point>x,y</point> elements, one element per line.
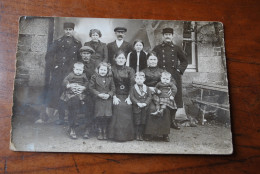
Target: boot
<point>105,133</point>
<point>73,134</point>
<point>86,134</point>
<point>174,125</point>
<point>100,134</point>
<point>166,138</point>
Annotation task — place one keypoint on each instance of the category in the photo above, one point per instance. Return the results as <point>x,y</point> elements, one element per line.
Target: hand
<point>101,95</point>
<point>171,98</point>
<point>159,91</point>
<point>106,96</point>
<point>139,105</point>
<point>128,101</point>
<point>152,89</point>
<point>81,88</point>
<point>68,86</point>
<point>116,100</point>
<point>73,85</point>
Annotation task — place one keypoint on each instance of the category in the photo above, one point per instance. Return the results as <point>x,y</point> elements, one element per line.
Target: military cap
<point>69,25</point>
<point>86,49</point>
<point>121,29</point>
<point>167,30</point>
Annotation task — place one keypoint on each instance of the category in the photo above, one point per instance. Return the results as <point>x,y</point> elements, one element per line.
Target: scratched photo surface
<point>101,85</point>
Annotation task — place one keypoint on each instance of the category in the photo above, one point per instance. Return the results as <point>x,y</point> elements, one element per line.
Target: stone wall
<point>32,47</point>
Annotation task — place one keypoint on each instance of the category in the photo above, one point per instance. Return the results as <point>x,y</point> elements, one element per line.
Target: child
<point>75,84</point>
<point>141,97</point>
<point>103,88</point>
<point>166,91</point>
<point>137,59</point>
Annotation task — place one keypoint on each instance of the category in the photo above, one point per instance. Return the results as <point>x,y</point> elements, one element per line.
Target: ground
<point>48,137</point>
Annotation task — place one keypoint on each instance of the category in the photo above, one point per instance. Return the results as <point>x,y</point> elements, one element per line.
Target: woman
<point>155,126</point>
<point>137,59</point>
<point>101,53</point>
<point>121,127</point>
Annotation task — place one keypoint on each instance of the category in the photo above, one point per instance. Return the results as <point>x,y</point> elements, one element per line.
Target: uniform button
<point>163,56</point>
<point>164,66</point>
<point>172,50</point>
<point>74,52</point>
<point>172,55</point>
<point>163,60</point>
<point>64,57</point>
<point>162,50</point>
<point>62,45</point>
<point>173,60</point>
<point>74,46</point>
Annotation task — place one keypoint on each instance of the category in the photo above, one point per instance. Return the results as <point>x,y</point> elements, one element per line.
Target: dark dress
<point>156,125</point>
<point>121,127</point>
<point>101,53</point>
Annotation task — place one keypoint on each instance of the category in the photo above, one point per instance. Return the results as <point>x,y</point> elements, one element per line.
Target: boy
<point>141,97</point>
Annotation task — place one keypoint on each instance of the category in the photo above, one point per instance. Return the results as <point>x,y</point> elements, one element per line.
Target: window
<point>189,46</point>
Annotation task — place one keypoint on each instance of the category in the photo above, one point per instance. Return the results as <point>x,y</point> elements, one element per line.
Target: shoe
<point>73,134</point>
<point>100,136</point>
<point>174,125</point>
<point>59,122</point>
<point>85,136</point>
<point>39,121</point>
<point>141,138</point>
<point>166,138</point>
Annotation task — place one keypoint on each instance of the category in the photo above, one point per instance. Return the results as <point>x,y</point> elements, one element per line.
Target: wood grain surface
<point>242,37</point>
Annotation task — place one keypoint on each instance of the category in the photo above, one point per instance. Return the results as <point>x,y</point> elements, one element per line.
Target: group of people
<point>125,92</point>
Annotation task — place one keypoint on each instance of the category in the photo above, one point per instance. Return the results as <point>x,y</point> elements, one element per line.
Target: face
<point>102,70</point>
<point>139,46</point>
<point>168,37</point>
<point>139,80</point>
<point>85,56</point>
<point>95,37</point>
<point>152,61</point>
<point>68,31</point>
<point>120,35</point>
<point>78,70</point>
<point>165,79</point>
<point>120,59</point>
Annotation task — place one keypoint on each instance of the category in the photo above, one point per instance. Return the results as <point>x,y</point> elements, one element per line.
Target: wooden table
<point>242,36</point>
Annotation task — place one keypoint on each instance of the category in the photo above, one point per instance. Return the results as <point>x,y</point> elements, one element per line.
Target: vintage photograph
<point>102,85</point>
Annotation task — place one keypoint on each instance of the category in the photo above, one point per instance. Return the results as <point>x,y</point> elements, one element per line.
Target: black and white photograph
<point>103,85</point>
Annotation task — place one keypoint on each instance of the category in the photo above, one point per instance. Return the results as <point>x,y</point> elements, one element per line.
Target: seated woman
<point>121,127</point>
<point>101,53</point>
<point>137,59</point>
<point>155,126</point>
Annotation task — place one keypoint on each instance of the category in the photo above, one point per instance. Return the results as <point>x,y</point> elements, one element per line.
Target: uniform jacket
<point>140,97</point>
<point>100,48</point>
<point>60,57</point>
<point>171,58</point>
<point>113,49</point>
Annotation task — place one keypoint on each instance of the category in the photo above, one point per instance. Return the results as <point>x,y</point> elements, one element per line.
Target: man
<point>172,59</point>
<point>60,58</point>
<point>118,44</point>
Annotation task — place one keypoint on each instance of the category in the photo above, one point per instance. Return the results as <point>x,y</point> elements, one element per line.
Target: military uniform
<point>60,58</point>
<point>172,59</point>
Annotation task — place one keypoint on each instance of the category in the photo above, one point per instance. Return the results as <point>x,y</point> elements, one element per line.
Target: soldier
<point>118,44</point>
<point>172,59</point>
<point>60,58</point>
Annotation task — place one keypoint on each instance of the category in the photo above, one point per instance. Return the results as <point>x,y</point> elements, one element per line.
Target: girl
<point>137,59</point>
<point>103,88</point>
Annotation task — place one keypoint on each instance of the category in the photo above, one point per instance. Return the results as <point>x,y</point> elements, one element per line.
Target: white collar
<point>138,89</point>
<point>119,42</point>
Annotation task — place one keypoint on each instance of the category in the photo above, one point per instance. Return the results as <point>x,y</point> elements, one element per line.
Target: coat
<point>136,97</point>
<point>60,58</point>
<point>98,86</point>
<point>113,49</point>
<point>100,48</point>
<point>132,60</point>
<point>172,59</point>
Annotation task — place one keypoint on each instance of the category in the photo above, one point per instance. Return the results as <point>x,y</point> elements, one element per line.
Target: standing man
<point>60,58</point>
<point>118,44</point>
<point>172,59</point>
